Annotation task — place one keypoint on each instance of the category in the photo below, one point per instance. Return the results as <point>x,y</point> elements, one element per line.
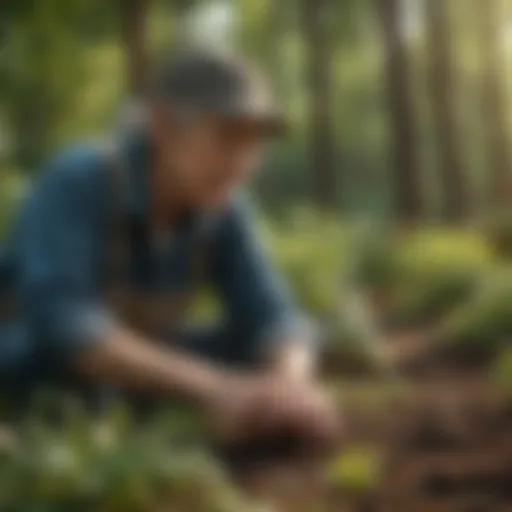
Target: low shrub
<point>439,271</point>
<point>483,323</point>
<point>111,466</point>
<point>502,370</point>
<point>497,228</point>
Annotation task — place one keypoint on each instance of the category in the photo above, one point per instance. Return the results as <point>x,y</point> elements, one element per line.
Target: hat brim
<point>271,125</point>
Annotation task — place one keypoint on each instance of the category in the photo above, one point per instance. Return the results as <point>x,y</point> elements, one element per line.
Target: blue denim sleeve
<point>259,303</point>
<point>58,251</point>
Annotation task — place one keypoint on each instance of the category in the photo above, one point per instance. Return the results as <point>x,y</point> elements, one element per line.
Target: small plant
<point>112,465</point>
<point>502,370</point>
<point>355,470</point>
<point>497,228</point>
<point>484,322</point>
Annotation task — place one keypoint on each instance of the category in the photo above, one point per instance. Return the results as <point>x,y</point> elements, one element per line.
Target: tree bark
<point>180,12</point>
<point>442,78</point>
<point>134,34</point>
<point>494,104</point>
<point>406,167</point>
<point>316,20</point>
<point>279,19</point>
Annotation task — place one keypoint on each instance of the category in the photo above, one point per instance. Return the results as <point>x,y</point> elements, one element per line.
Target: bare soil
<point>444,443</point>
<point>447,447</point>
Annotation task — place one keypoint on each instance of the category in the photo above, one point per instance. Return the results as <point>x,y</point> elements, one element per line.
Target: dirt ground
<point>442,441</point>
<point>448,447</point>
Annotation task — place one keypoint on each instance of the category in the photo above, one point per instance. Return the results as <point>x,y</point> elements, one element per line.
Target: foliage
<point>61,76</point>
<point>110,465</point>
<point>502,370</point>
<point>425,273</point>
<point>446,276</point>
<point>43,68</point>
<point>12,188</point>
<point>498,231</point>
<point>310,251</point>
<point>484,322</point>
<point>439,270</point>
<point>355,470</point>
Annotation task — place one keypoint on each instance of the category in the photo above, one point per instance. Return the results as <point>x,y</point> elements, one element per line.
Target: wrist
<point>196,381</point>
<point>293,362</point>
<point>213,387</point>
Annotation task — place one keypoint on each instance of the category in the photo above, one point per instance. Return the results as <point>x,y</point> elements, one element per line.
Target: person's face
<point>208,156</point>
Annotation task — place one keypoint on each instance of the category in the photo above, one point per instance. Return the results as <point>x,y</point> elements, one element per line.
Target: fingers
<point>316,420</point>
<point>273,407</point>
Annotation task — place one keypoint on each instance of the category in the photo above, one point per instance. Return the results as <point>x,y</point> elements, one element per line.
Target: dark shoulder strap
<point>202,251</point>
<point>118,228</point>
<point>119,232</point>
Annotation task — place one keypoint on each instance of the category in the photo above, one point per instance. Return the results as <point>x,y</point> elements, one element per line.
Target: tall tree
<point>133,14</point>
<point>406,167</point>
<point>262,30</point>
<point>41,68</point>
<point>181,12</point>
<point>494,102</point>
<point>442,78</point>
<point>278,25</point>
<point>316,20</point>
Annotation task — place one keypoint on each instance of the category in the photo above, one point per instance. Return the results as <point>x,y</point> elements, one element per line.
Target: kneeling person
<point>112,239</point>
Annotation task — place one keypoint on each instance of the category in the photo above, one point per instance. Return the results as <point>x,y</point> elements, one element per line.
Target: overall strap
<point>140,308</point>
<point>118,230</point>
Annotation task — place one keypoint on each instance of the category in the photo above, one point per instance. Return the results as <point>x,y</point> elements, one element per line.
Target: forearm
<point>125,359</point>
<point>293,359</point>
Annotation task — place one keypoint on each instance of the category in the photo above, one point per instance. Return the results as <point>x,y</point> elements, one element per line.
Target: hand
<point>304,409</point>
<point>271,405</point>
<point>309,408</point>
<point>248,407</point>
<point>237,408</point>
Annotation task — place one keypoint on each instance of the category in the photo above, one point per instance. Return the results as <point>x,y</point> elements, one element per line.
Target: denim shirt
<point>62,238</point>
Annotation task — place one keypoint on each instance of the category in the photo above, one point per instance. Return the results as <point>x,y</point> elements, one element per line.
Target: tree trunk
<point>494,104</point>
<point>133,28</point>
<point>180,12</point>
<point>316,20</point>
<point>278,24</point>
<point>454,182</point>
<point>406,167</point>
